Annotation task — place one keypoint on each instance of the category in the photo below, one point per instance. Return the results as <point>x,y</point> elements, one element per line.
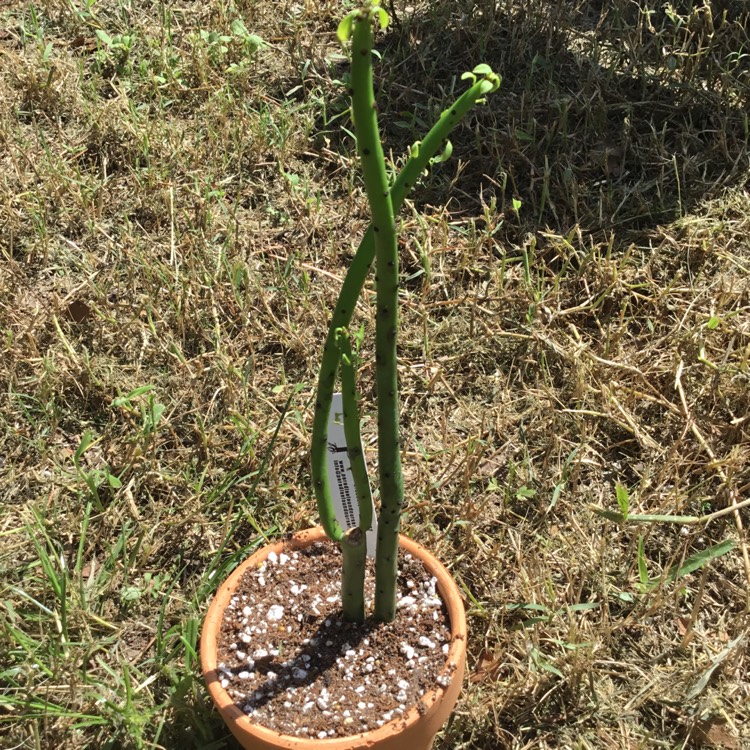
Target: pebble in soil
<point>293,664</point>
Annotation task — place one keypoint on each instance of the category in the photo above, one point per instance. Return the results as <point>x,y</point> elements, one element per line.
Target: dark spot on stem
<point>453,113</point>
<point>375,229</point>
<point>366,151</point>
<point>364,51</point>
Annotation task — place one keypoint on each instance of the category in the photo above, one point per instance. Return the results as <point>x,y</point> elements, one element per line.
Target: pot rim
<point>430,702</point>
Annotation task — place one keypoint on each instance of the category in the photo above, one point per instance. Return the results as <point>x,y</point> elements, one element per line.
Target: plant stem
<point>352,431</point>
<point>354,542</point>
<point>352,288</point>
<point>386,376</point>
<point>354,552</point>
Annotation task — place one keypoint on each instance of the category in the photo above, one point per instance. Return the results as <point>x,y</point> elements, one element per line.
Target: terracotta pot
<point>413,731</point>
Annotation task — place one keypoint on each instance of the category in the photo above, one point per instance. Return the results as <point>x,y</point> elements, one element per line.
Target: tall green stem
<point>354,542</point>
<point>379,242</point>
<point>352,433</point>
<point>386,258</point>
<point>354,280</point>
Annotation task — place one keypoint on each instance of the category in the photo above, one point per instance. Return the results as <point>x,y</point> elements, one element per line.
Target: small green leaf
<point>86,440</point>
<point>113,481</point>
<point>525,492</point>
<point>469,76</point>
<point>482,70</point>
<point>130,594</point>
<point>382,17</point>
<point>239,29</point>
<point>344,30</point>
<point>539,659</point>
<point>623,500</point>
<point>139,391</point>
<point>713,322</point>
<point>254,41</point>
<point>699,559</point>
<point>517,205</point>
<point>104,37</point>
<point>444,155</point>
<point>496,80</point>
<point>157,410</point>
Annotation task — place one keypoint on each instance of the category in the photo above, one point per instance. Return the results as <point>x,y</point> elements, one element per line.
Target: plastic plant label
<point>340,477</point>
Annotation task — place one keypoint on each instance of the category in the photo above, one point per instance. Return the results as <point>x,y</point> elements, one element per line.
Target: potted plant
<point>287,660</point>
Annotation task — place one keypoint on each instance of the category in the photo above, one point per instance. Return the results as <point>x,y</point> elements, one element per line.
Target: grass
<point>179,202</point>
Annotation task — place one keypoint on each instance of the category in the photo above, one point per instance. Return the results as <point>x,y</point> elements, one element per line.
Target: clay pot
<point>415,730</point>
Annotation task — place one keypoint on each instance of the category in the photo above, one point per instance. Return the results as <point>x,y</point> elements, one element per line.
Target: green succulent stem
<point>351,289</point>
<point>375,177</point>
<point>354,554</point>
<point>351,430</point>
<point>378,243</point>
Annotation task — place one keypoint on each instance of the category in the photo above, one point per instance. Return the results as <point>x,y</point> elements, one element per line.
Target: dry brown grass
<point>170,221</point>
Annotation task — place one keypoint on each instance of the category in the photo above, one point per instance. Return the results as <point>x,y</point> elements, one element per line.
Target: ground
<point>179,199</point>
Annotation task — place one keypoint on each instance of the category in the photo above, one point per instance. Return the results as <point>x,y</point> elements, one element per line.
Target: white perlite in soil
<point>291,663</point>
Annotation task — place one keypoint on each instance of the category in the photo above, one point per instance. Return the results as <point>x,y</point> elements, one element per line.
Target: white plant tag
<point>340,478</point>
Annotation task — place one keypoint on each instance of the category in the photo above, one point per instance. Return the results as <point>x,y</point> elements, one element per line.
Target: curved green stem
<point>354,542</point>
<point>352,431</point>
<point>354,280</point>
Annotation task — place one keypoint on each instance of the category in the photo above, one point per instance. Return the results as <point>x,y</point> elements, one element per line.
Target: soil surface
<point>293,664</point>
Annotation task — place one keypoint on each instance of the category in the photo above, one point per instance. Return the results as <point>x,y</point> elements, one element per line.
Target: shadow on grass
<point>602,121</point>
